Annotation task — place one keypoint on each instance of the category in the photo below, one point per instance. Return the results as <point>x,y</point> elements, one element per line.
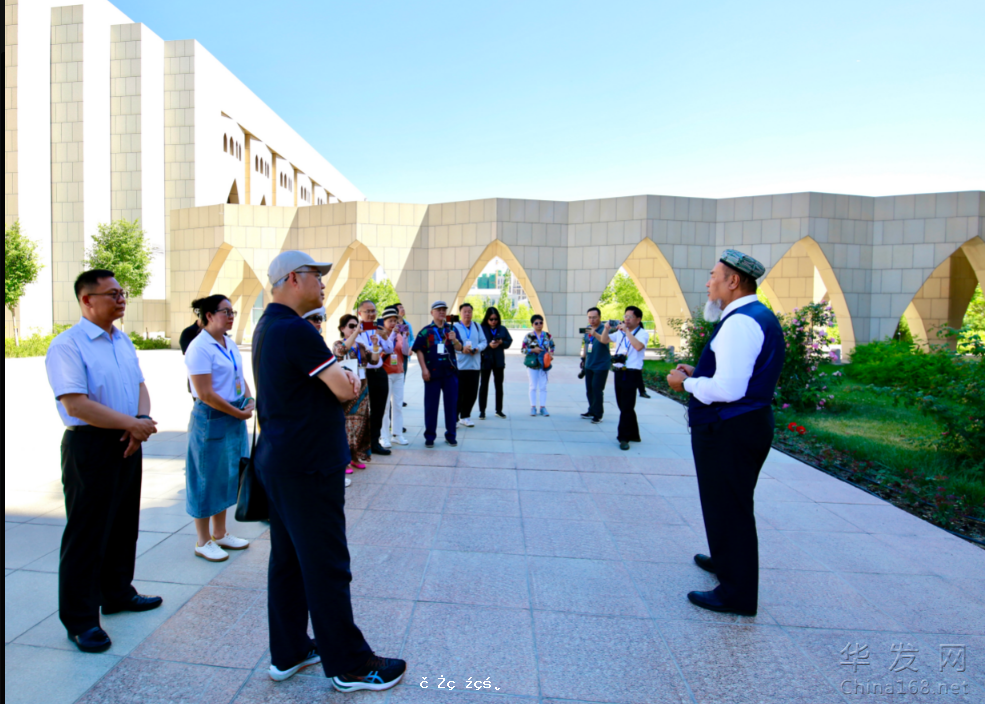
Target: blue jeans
<point>433,390</point>
<point>216,443</point>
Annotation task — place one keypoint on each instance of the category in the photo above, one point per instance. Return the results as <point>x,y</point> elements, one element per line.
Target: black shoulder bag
<point>252,505</point>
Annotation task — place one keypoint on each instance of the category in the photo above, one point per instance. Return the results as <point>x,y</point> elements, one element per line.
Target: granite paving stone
<point>151,682</point>
<point>477,579</point>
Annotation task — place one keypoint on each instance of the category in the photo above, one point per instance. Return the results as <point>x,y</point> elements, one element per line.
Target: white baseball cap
<point>287,262</point>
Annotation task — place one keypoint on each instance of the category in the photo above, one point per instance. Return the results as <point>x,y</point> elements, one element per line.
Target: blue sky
<point>433,102</point>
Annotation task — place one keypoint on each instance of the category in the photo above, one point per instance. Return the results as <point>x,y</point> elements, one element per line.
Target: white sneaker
<point>348,482</point>
<point>385,444</point>
<point>211,552</point>
<point>231,542</point>
<point>467,422</point>
<point>400,440</point>
<point>281,675</point>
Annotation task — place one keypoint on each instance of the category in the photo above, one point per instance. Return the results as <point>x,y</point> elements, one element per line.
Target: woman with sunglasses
<point>354,354</point>
<point>217,435</point>
<point>538,345</point>
<point>493,360</point>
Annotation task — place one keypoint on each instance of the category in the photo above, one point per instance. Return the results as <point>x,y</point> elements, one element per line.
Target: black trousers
<point>640,385</point>
<point>729,455</point>
<point>497,375</point>
<point>379,391</point>
<point>627,387</point>
<point>595,390</point>
<point>99,545</point>
<point>468,389</point>
<point>310,572</point>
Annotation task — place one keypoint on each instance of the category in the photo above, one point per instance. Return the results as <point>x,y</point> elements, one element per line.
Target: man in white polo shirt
<point>627,361</point>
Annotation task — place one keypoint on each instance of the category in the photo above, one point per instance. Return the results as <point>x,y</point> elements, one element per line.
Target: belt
<point>88,429</point>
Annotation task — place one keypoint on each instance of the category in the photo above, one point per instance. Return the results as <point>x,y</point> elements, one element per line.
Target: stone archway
<point>497,248</point>
<point>229,274</point>
<point>348,278</point>
<point>656,281</point>
<point>944,297</point>
<point>804,275</point>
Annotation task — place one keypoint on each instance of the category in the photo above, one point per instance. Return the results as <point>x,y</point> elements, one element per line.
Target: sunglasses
<point>317,319</point>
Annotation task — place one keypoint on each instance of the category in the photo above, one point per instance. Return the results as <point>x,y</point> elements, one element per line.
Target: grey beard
<point>713,311</point>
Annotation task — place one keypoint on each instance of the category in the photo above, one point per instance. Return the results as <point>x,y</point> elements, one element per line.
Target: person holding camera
<point>354,357</point>
<point>630,340</point>
<point>217,437</point>
<point>493,360</point>
<point>395,365</point>
<point>598,362</point>
<point>538,346</point>
<point>437,347</point>
<point>469,363</point>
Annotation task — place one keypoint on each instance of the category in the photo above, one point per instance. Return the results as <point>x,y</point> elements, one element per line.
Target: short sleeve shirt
<point>87,360</point>
<point>634,358</point>
<point>207,356</point>
<point>302,424</point>
<point>599,358</point>
<point>428,341</point>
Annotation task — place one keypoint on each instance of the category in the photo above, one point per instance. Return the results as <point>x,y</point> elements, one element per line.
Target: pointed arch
<point>943,298</point>
<point>798,278</point>
<point>654,277</point>
<point>349,276</point>
<point>497,248</point>
<point>231,275</point>
<point>233,198</point>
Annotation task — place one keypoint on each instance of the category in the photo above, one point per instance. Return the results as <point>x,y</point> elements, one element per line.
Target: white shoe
<point>467,422</point>
<point>385,444</point>
<point>400,440</point>
<point>348,482</point>
<point>282,675</point>
<point>211,552</point>
<point>231,542</point>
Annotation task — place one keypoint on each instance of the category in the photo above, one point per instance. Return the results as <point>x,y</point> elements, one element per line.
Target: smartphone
<point>583,331</point>
<point>369,327</point>
<point>403,329</point>
<point>615,323</point>
<point>454,319</point>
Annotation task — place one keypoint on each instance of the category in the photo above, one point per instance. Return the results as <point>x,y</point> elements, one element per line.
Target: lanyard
<point>468,330</point>
<point>494,332</point>
<point>359,354</point>
<point>231,357</point>
<point>440,333</point>
<point>540,341</point>
<point>625,338</point>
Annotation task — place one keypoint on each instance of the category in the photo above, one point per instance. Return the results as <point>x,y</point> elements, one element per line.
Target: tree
<point>122,247</point>
<point>479,306</point>
<point>505,304</point>
<point>382,293</point>
<point>21,266</point>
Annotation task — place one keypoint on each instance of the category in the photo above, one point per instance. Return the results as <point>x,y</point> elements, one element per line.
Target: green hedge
<point>37,344</point>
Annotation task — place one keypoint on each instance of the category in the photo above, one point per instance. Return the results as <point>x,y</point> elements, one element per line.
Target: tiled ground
<point>536,556</point>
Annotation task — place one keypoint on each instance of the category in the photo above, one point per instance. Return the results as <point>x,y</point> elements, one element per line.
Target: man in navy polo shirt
<point>300,459</point>
<point>436,347</point>
<point>731,419</point>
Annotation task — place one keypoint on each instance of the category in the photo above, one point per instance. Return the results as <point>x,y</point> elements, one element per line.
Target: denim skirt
<point>216,442</point>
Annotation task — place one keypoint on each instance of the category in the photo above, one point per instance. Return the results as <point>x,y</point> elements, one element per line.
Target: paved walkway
<point>537,556</point>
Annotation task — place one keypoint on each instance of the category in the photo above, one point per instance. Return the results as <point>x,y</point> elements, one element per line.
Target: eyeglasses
<point>317,319</point>
<point>316,273</point>
<point>115,295</point>
<point>229,312</point>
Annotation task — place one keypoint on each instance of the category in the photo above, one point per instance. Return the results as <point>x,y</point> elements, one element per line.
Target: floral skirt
<point>357,424</point>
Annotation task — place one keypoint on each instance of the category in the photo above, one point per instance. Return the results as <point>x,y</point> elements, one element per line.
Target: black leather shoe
<point>138,604</point>
<point>382,451</point>
<point>705,563</point>
<point>644,395</point>
<point>623,445</point>
<point>95,640</point>
<point>711,602</point>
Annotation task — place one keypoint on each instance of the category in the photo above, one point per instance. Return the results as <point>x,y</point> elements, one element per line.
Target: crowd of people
<point>326,412</point>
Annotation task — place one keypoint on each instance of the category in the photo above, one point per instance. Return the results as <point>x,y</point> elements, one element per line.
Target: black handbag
<point>252,504</point>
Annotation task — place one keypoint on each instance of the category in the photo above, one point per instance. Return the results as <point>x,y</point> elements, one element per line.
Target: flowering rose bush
<point>695,334</point>
<point>801,385</point>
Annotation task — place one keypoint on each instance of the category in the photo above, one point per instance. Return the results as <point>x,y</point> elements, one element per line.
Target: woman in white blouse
<point>217,436</point>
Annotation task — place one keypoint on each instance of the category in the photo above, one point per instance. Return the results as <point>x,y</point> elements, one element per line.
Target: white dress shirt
<point>737,346</point>
<point>87,360</point>
<point>386,347</point>
<point>634,357</point>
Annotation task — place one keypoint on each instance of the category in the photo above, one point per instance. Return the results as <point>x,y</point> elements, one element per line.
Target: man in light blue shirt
<point>469,363</point>
<point>103,402</point>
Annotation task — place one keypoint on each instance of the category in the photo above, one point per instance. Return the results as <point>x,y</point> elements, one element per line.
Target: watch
<point>144,418</point>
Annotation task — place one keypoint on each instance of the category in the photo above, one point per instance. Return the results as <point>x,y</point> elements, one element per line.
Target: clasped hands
<point>137,434</point>
<point>677,377</point>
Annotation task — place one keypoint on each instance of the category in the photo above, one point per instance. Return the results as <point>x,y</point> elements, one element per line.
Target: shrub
<point>153,343</point>
<point>802,385</point>
<point>695,334</point>
<point>898,364</point>
<point>34,346</point>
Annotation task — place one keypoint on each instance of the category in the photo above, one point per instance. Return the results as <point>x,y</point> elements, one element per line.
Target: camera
<point>582,374</point>
<point>614,323</point>
<point>619,359</point>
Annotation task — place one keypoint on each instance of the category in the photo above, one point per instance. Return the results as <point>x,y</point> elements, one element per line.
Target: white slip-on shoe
<point>348,482</point>
<point>400,440</point>
<point>211,552</point>
<point>283,675</point>
<point>231,542</point>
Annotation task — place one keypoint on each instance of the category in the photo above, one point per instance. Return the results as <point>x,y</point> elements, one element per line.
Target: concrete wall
<point>10,180</point>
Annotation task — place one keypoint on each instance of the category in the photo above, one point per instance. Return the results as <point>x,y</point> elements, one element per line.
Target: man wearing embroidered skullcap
<point>731,417</point>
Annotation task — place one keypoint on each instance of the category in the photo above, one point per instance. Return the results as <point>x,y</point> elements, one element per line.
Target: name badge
<point>239,387</point>
<point>362,372</point>
<point>394,360</point>
<point>590,346</point>
<point>441,349</point>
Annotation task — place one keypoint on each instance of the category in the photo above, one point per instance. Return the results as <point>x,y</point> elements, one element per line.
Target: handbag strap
<point>256,368</point>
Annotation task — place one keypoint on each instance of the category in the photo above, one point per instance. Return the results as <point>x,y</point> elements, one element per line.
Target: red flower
<point>792,426</point>
<point>802,430</point>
